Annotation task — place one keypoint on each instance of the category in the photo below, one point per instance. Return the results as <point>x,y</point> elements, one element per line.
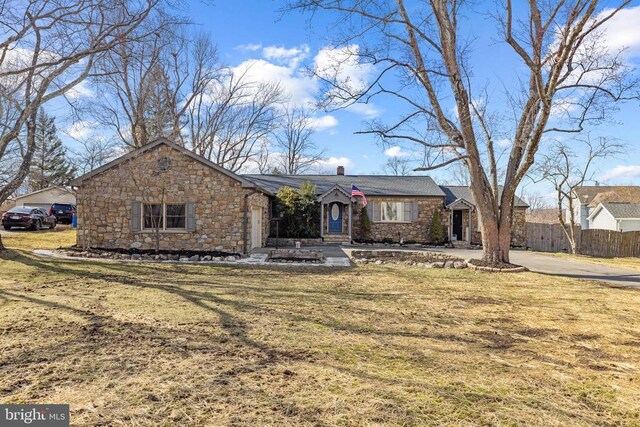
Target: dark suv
<point>63,212</point>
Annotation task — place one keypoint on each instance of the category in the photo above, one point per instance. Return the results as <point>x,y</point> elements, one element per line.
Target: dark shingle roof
<point>455,192</point>
<point>371,185</point>
<point>622,193</point>
<point>623,210</point>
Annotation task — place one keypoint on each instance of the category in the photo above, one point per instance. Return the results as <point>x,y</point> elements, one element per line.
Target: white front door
<point>256,227</point>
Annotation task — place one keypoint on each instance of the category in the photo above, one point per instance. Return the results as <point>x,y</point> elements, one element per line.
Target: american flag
<point>355,192</point>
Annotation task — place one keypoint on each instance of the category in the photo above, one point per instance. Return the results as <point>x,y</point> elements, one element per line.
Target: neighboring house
<point>168,191</point>
<point>7,204</point>
<point>45,198</point>
<point>587,198</point>
<point>544,215</point>
<point>615,216</point>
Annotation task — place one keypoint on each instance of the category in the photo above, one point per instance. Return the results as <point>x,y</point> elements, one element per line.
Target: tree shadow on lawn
<point>105,334</point>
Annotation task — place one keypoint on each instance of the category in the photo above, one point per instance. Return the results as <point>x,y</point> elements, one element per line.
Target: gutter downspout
<point>245,219</point>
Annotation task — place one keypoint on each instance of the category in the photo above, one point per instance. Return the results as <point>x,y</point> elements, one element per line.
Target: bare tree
<point>47,48</point>
<point>417,56</point>
<point>147,86</point>
<point>566,167</point>
<point>232,119</point>
<point>296,150</point>
<point>398,166</point>
<point>458,175</point>
<point>93,152</point>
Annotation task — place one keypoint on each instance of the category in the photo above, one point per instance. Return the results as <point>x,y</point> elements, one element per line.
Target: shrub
<point>365,224</point>
<point>437,234</point>
<point>299,210</point>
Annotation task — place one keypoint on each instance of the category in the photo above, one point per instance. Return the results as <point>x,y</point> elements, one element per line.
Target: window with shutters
<point>393,212</point>
<point>164,217</point>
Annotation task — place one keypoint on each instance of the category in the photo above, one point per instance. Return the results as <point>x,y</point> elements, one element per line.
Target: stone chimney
<point>340,170</point>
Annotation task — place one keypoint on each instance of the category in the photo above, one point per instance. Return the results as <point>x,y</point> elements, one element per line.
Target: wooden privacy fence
<point>549,238</point>
<point>608,243</point>
<point>600,243</point>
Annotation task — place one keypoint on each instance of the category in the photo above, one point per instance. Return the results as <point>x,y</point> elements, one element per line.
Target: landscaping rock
<point>136,257</point>
<point>379,262</point>
<point>195,258</point>
<point>459,264</point>
<point>437,264</point>
<point>183,259</point>
<point>206,258</point>
<point>448,264</point>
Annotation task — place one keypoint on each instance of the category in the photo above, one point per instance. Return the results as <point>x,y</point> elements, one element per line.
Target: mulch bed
<point>503,267</point>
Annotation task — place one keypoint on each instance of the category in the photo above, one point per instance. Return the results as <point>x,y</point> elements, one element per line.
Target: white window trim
<point>164,228</point>
<point>400,211</point>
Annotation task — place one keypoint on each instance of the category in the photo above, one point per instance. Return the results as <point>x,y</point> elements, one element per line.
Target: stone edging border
<point>520,269</point>
<point>329,261</point>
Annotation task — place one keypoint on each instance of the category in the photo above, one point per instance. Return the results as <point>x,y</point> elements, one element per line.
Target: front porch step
<point>336,239</point>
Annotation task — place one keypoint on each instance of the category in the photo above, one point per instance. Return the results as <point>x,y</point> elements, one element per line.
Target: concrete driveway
<point>562,267</point>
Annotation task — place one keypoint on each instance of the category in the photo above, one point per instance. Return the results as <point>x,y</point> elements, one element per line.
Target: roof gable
<point>77,182</point>
<point>615,193</point>
<point>66,190</point>
<point>462,192</point>
<point>618,210</point>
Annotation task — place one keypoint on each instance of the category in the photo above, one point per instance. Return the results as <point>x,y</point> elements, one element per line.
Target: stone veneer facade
<point>104,204</point>
<point>415,230</point>
<point>518,227</point>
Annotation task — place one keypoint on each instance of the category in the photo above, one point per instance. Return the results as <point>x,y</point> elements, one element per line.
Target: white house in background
<point>45,198</point>
<point>587,198</point>
<point>615,216</point>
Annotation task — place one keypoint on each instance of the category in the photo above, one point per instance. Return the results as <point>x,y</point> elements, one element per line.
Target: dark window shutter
<point>376,211</point>
<point>191,217</point>
<point>406,216</point>
<point>136,212</point>
<point>370,211</point>
<point>414,211</point>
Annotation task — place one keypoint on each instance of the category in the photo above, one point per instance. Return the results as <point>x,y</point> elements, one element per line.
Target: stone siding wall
<point>105,204</point>
<point>518,228</point>
<point>417,231</point>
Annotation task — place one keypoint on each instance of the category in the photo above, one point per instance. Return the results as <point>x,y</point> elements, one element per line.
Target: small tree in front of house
<point>300,211</point>
<point>437,233</point>
<point>365,224</point>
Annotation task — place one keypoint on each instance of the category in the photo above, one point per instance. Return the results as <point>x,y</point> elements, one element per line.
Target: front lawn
<point>166,345</point>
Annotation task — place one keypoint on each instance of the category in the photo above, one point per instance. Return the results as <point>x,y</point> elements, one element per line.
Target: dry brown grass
<point>165,345</point>
<point>630,263</point>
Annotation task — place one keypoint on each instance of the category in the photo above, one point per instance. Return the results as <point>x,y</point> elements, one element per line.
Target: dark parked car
<point>63,212</point>
<point>24,216</point>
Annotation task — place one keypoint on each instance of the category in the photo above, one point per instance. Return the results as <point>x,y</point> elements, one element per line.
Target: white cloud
<point>300,87</point>
<point>395,152</point>
<point>368,111</point>
<point>622,30</point>
<point>343,68</point>
<point>324,122</point>
<point>81,129</point>
<point>252,47</point>
<point>293,56</point>
<point>621,172</point>
<point>333,162</point>
<point>503,143</point>
<point>81,90</point>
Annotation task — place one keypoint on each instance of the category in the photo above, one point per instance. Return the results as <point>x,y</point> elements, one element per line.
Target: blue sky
<point>278,47</point>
